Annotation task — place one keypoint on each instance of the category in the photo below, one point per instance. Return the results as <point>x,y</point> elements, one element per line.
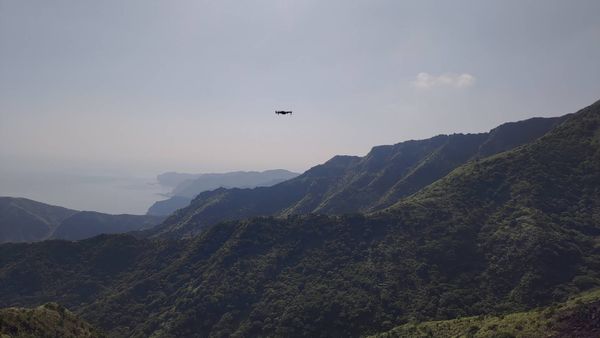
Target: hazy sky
<point>143,87</point>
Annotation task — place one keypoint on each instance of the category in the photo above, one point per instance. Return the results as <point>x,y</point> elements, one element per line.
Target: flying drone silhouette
<point>283,112</point>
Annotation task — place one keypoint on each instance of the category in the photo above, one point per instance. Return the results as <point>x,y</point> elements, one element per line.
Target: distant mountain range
<point>446,228</point>
<point>187,186</point>
<point>352,184</point>
<point>24,220</point>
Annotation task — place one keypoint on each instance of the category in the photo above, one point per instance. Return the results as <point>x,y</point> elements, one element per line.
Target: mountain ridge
<point>188,186</point>
<point>351,183</point>
<point>25,220</point>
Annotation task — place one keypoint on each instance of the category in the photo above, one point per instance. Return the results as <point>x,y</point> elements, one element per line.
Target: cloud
<point>426,80</point>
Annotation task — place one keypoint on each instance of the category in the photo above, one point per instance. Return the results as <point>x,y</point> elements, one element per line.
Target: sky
<point>140,87</point>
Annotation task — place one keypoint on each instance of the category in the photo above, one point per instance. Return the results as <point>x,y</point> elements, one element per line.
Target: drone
<point>283,112</point>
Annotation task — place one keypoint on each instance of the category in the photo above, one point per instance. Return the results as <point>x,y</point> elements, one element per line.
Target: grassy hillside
<point>348,184</point>
<point>577,317</point>
<point>47,321</point>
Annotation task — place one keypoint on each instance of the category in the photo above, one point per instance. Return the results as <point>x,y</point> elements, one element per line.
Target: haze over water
<point>108,194</point>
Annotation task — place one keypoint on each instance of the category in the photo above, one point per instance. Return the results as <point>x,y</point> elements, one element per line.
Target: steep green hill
<point>577,317</point>
<point>241,179</point>
<point>45,321</point>
<point>24,220</point>
<point>355,184</point>
<point>499,235</point>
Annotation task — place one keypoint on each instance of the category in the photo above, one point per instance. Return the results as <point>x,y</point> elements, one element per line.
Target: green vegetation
<point>47,321</point>
<point>499,235</point>
<point>576,317</point>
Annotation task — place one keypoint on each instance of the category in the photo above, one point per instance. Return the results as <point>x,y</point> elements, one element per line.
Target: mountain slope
<point>86,224</point>
<point>189,186</point>
<point>347,184</point>
<point>498,235</point>
<point>574,318</point>
<point>168,206</point>
<point>49,320</point>
<point>241,179</point>
<point>24,220</point>
<point>537,199</point>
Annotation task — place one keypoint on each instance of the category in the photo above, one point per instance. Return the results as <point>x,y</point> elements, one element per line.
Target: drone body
<point>283,112</point>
